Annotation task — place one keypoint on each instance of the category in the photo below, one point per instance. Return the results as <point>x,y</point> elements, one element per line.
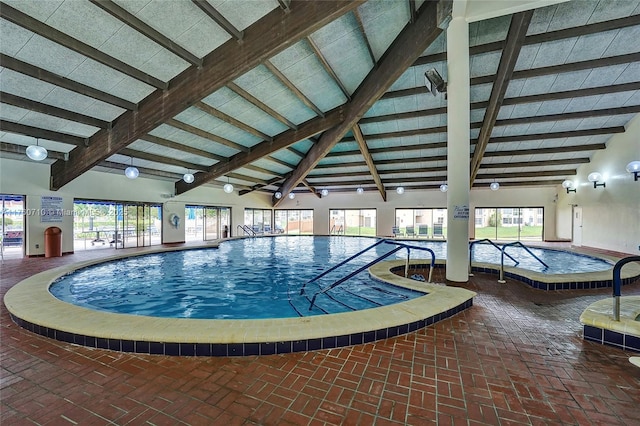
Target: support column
<point>458,123</point>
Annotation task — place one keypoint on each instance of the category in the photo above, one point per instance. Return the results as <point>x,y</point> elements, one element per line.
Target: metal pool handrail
<point>409,247</point>
<point>518,243</point>
<point>617,283</point>
<point>338,265</point>
<point>247,230</point>
<point>472,243</point>
<point>354,273</point>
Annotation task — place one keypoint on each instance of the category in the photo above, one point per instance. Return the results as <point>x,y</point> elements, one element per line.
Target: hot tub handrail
<point>339,264</point>
<point>617,283</point>
<point>354,273</point>
<point>409,247</point>
<point>472,243</point>
<point>515,243</point>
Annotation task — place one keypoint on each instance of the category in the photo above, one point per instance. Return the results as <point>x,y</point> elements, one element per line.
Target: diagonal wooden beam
<point>539,151</point>
<point>412,40</point>
<point>311,188</point>
<point>285,4</point>
<point>513,44</point>
<point>20,102</point>
<point>328,68</point>
<point>357,132</point>
<point>258,187</point>
<point>283,78</point>
<point>160,159</point>
<point>204,134</point>
<point>363,33</point>
<point>66,83</point>
<point>263,149</point>
<point>193,84</point>
<point>261,105</point>
<point>182,147</point>
<point>148,31</point>
<point>219,19</point>
<point>544,163</point>
<point>27,22</point>
<point>230,120</point>
<point>37,132</point>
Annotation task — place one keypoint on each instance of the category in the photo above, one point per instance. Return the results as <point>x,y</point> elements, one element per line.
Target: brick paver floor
<point>516,357</point>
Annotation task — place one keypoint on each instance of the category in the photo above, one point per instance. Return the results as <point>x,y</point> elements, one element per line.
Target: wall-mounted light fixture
<point>36,152</point>
<point>400,190</point>
<point>595,177</point>
<point>634,167</point>
<point>131,172</point>
<point>569,186</point>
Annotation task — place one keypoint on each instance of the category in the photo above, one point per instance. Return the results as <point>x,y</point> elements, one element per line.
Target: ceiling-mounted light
<point>569,186</point>
<point>634,167</point>
<point>595,177</point>
<point>360,190</point>
<point>36,152</point>
<point>188,177</point>
<point>292,195</point>
<point>324,192</point>
<point>444,187</point>
<point>400,190</point>
<point>131,172</point>
<point>278,195</point>
<point>494,186</point>
<point>228,188</point>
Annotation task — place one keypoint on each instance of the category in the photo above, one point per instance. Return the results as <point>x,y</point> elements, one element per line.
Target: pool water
<point>262,278</point>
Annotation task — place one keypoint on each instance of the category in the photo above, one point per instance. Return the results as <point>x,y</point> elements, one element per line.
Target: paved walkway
<point>516,357</point>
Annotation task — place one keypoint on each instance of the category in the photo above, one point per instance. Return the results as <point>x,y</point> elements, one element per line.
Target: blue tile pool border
<point>238,349</point>
<point>612,338</point>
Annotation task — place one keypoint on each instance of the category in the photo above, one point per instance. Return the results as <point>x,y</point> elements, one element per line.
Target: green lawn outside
<point>527,232</point>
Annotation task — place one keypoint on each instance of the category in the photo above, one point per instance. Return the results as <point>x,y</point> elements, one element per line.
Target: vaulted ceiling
<point>309,95</point>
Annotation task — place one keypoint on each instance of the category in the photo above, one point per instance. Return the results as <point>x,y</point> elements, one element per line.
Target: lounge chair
<point>423,231</point>
<point>437,230</point>
<point>396,231</point>
<point>411,231</point>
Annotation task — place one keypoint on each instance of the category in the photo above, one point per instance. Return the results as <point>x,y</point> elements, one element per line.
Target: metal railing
<point>409,247</point>
<point>333,268</point>
<point>247,230</point>
<point>617,283</point>
<point>399,246</point>
<point>338,231</point>
<point>472,243</point>
<point>515,243</point>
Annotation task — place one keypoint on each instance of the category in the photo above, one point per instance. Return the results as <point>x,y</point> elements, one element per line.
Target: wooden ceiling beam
<point>21,149</point>
<point>206,135</point>
<point>129,152</point>
<point>328,68</point>
<point>219,19</point>
<point>537,173</point>
<point>263,149</point>
<point>540,151</point>
<point>193,84</point>
<point>513,44</point>
<point>543,163</point>
<point>181,147</point>
<point>27,22</point>
<point>407,46</point>
<point>545,182</point>
<point>63,82</point>
<point>137,24</point>
<point>363,33</point>
<point>246,178</point>
<point>142,170</point>
<point>20,102</point>
<point>633,109</point>
<point>559,135</point>
<point>259,187</point>
<point>260,105</point>
<point>37,132</point>
<point>362,143</point>
<point>230,120</point>
<point>311,188</point>
<point>292,87</point>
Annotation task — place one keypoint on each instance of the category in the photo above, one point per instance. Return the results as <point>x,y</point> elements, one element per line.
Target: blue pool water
<point>257,278</point>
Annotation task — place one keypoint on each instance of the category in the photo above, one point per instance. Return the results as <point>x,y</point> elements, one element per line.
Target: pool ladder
<point>399,246</point>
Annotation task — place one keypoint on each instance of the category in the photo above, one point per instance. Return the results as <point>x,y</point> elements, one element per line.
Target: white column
<point>457,148</point>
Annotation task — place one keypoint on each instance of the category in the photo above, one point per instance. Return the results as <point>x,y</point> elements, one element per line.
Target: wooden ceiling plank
<point>362,143</point>
<point>148,31</point>
<point>328,68</point>
<point>230,120</point>
<point>513,44</point>
<point>262,170</point>
<point>543,163</point>
<point>363,33</point>
<point>204,134</point>
<point>537,173</point>
<point>161,159</point>
<point>292,87</point>
<point>27,22</point>
<point>193,84</point>
<point>261,105</point>
<point>246,178</point>
<point>36,132</point>
<point>20,102</point>
<point>181,147</point>
<point>219,19</point>
<point>559,135</point>
<point>633,109</point>
<point>63,82</point>
<point>264,149</point>
<point>554,150</point>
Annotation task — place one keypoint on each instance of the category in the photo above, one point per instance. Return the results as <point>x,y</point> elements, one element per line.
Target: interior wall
<point>611,214</point>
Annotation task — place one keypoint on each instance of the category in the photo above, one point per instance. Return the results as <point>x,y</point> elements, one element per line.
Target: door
<point>576,236</point>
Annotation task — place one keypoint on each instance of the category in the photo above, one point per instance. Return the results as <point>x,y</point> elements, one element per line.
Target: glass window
<point>353,222</point>
<point>426,223</point>
<point>514,223</point>
<point>204,223</point>
<point>293,222</point>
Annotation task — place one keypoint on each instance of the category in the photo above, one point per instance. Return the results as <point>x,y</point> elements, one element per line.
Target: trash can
<point>53,242</point>
<point>225,232</point>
